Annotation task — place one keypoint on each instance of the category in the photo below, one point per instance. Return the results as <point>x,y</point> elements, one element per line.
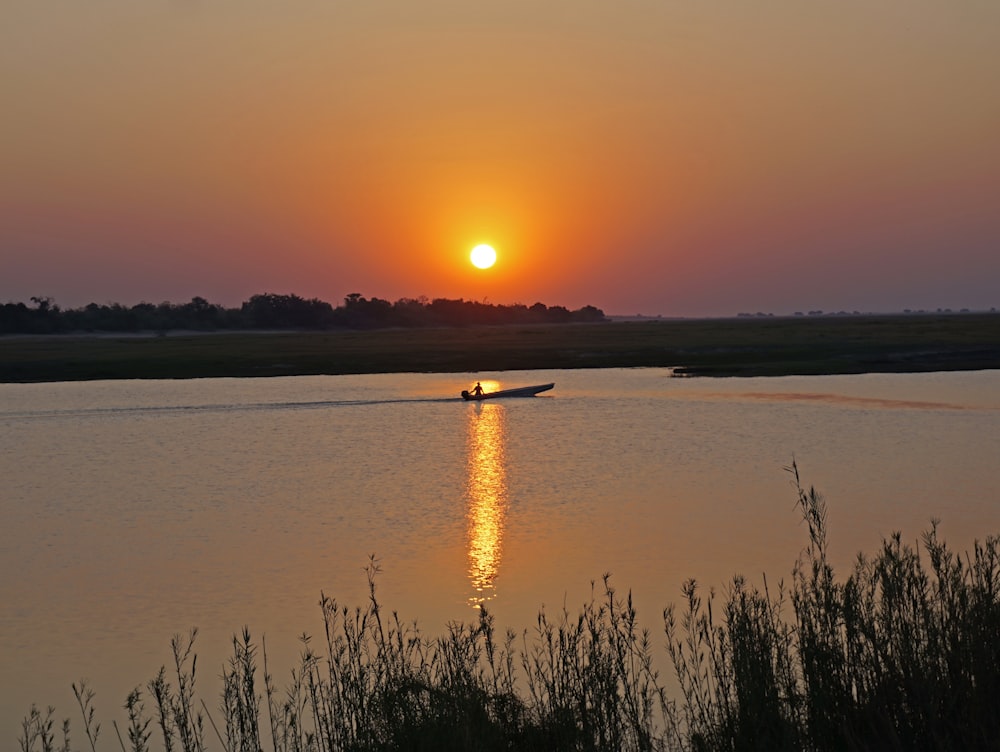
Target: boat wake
<point>112,412</point>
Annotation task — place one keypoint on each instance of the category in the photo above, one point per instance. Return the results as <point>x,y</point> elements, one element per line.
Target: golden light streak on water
<point>486,498</point>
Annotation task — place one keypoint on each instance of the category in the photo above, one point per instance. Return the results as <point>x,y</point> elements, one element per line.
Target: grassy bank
<point>710,347</point>
<point>902,654</point>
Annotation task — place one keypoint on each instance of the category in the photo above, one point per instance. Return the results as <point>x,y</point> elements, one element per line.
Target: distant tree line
<point>272,311</point>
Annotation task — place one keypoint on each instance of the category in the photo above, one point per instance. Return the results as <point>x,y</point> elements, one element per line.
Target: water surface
<point>135,510</point>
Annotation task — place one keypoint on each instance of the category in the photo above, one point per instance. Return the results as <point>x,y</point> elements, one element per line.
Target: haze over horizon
<point>656,158</point>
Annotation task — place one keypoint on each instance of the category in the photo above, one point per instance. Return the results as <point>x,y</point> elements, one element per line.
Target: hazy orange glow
<point>486,495</point>
<point>694,159</point>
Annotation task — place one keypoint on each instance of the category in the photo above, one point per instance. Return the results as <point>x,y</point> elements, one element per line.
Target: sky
<point>676,157</point>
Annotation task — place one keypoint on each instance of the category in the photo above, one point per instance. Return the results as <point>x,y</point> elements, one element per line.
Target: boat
<point>521,391</point>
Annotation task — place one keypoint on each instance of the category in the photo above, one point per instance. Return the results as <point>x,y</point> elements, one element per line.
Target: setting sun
<point>483,256</point>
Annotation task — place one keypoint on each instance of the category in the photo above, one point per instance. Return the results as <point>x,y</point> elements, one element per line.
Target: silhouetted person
<point>478,390</point>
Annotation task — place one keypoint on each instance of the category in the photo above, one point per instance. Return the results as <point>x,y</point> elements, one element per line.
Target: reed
<point>901,654</point>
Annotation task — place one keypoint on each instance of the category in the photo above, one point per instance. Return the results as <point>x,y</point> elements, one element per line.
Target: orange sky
<point>672,158</point>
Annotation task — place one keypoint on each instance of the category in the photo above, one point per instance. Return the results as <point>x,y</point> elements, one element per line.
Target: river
<point>134,510</point>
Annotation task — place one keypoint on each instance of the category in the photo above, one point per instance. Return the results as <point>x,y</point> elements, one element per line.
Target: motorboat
<point>522,391</point>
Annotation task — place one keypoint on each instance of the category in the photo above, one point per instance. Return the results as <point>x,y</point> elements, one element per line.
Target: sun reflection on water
<point>486,497</point>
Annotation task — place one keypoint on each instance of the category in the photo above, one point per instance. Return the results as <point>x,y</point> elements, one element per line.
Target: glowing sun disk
<point>483,256</point>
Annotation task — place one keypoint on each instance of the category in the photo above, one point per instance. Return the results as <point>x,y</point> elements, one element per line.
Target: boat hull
<point>523,391</point>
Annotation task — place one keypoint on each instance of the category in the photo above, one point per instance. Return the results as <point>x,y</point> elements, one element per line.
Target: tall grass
<point>903,653</point>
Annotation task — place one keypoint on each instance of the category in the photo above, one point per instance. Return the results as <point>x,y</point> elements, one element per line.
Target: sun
<point>483,256</point>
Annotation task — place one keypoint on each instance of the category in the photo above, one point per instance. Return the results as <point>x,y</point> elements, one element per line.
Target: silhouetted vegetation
<point>271,311</point>
<point>705,347</point>
<point>901,655</point>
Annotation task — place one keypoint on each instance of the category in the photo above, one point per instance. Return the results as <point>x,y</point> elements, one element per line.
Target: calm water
<point>132,511</point>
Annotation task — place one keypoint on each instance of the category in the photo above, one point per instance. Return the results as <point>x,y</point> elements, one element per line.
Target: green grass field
<point>705,347</point>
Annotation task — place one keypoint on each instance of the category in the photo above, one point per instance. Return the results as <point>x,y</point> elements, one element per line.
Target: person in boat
<point>477,390</point>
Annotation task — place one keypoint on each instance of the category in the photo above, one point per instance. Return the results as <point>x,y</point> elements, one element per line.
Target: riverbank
<point>702,347</point>
<point>822,664</point>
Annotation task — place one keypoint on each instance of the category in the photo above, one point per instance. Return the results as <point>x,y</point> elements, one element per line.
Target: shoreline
<point>738,347</point>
